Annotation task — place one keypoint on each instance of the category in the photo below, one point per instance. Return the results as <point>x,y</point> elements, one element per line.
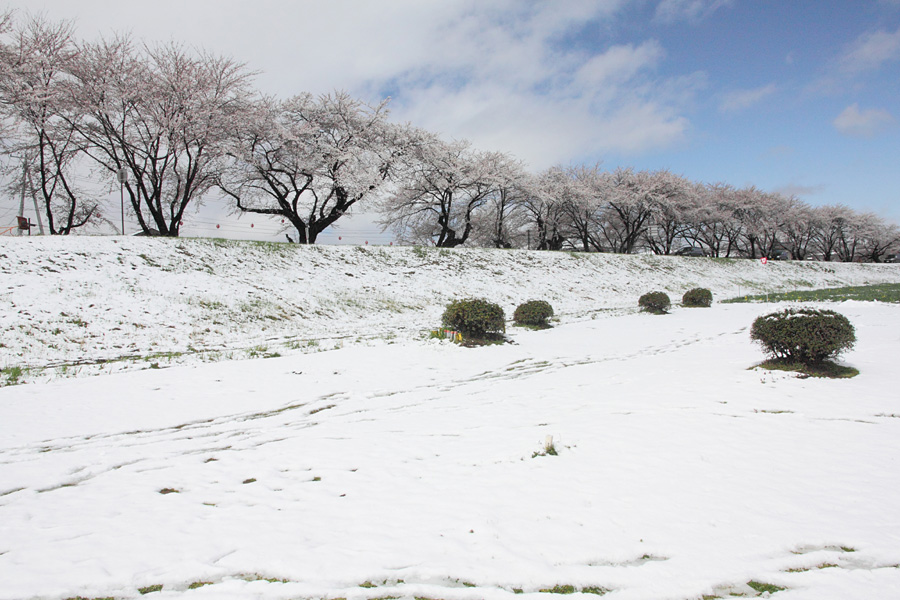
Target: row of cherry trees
<point>457,195</point>
<point>153,116</point>
<point>177,125</point>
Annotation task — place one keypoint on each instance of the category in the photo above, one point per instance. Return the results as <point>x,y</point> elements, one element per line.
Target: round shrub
<point>657,303</point>
<point>533,312</point>
<point>474,317</point>
<point>697,297</point>
<point>804,335</point>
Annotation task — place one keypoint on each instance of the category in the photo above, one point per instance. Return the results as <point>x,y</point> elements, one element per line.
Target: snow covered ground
<point>88,305</point>
<point>398,466</point>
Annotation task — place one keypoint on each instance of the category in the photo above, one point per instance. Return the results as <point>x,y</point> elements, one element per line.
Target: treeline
<point>172,126</point>
<point>625,211</point>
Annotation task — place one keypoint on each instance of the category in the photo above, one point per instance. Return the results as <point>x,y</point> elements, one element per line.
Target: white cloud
<point>868,123</point>
<point>742,99</point>
<point>618,64</point>
<point>495,72</point>
<point>867,54</point>
<point>672,11</point>
<point>543,131</point>
<point>563,107</point>
<point>799,190</point>
<point>870,51</point>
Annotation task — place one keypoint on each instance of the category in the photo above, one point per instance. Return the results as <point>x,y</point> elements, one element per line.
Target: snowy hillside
<point>403,467</point>
<point>83,305</point>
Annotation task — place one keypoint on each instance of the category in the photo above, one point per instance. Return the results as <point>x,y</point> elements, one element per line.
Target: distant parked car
<point>691,251</point>
<point>892,258</point>
<point>781,255</point>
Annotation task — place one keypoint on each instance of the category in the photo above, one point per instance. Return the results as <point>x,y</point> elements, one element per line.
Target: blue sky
<point>799,96</point>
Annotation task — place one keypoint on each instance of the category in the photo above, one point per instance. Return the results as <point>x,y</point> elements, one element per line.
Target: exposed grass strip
<point>884,292</point>
<point>825,369</point>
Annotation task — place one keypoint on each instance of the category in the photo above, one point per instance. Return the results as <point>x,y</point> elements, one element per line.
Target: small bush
<point>474,317</point>
<point>657,303</point>
<point>534,312</point>
<point>697,297</point>
<point>804,335</point>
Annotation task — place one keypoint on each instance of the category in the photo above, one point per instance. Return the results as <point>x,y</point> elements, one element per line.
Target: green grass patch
<point>825,369</point>
<point>150,589</point>
<point>549,449</point>
<point>571,589</point>
<point>199,584</point>
<point>762,588</point>
<point>560,589</point>
<point>596,590</point>
<point>258,577</point>
<point>13,375</point>
<point>884,292</point>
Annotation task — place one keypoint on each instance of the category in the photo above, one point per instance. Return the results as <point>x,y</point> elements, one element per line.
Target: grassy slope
<point>70,303</point>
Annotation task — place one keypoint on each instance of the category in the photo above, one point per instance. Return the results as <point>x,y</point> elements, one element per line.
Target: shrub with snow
<point>474,317</point>
<point>805,335</point>
<point>657,303</point>
<point>697,297</point>
<point>534,312</point>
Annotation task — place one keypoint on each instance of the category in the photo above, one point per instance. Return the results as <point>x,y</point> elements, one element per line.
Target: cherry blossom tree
<point>629,206</point>
<point>162,115</point>
<point>801,227</point>
<point>503,222</point>
<point>881,238</point>
<point>546,212</point>
<point>711,217</point>
<point>445,186</point>
<point>851,237</point>
<point>673,198</point>
<point>583,191</point>
<point>311,160</point>
<point>7,60</point>
<point>37,59</point>
<point>771,217</point>
<point>830,220</point>
<point>854,236</point>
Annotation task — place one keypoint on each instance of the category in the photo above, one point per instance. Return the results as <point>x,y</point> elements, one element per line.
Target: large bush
<point>804,335</point>
<point>534,312</point>
<point>657,303</point>
<point>474,317</point>
<point>697,297</point>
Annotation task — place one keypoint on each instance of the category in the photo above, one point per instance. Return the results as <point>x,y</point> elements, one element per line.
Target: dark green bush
<point>657,303</point>
<point>474,317</point>
<point>697,297</point>
<point>533,312</point>
<point>804,335</point>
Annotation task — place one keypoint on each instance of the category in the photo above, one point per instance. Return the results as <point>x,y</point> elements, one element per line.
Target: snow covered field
<point>397,466</point>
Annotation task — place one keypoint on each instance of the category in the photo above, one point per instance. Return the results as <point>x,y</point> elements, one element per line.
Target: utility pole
<point>22,196</point>
<point>37,211</point>
<point>122,175</point>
